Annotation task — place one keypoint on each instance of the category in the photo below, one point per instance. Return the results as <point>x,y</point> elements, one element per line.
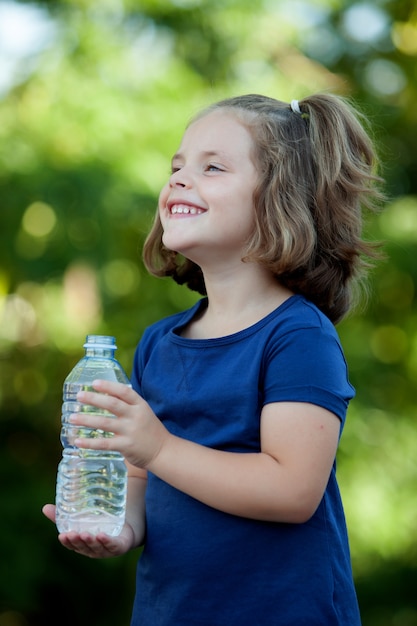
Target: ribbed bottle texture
<point>91,484</point>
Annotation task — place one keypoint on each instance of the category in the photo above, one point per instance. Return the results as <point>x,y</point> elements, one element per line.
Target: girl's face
<point>206,207</point>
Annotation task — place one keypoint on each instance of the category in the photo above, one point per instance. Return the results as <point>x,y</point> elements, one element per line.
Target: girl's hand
<point>95,547</point>
<point>137,433</point>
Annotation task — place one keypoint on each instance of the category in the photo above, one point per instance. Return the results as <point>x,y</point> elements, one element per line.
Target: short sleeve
<point>308,365</point>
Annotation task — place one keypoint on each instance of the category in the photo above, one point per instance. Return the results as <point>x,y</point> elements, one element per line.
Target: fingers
<point>95,547</point>
<point>100,431</point>
<point>95,422</point>
<point>49,511</point>
<point>112,397</point>
<point>117,390</point>
<point>98,546</point>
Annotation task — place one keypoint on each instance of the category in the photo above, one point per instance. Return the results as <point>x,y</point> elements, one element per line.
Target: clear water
<point>91,493</point>
<point>69,432</point>
<point>91,484</point>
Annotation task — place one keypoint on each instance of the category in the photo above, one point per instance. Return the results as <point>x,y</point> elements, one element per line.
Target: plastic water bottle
<point>91,484</point>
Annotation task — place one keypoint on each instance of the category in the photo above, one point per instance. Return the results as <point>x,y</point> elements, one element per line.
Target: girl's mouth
<point>185,209</point>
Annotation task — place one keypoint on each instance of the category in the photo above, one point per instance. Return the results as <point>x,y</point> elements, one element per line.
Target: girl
<point>231,429</point>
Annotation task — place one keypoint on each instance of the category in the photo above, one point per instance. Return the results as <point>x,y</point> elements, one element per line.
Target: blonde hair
<point>317,171</point>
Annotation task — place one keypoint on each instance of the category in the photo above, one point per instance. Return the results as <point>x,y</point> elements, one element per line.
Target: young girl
<point>231,429</point>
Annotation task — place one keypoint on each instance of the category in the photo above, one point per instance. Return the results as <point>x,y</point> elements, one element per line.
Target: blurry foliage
<point>88,121</point>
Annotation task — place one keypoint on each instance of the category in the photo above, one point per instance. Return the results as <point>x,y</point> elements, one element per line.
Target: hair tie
<point>295,107</point>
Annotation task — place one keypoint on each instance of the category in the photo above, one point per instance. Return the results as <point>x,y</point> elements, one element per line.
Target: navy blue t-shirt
<point>203,567</point>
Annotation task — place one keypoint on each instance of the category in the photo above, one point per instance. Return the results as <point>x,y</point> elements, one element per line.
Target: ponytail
<point>344,164</point>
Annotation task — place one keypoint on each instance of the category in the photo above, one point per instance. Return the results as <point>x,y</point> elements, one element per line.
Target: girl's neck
<point>237,301</point>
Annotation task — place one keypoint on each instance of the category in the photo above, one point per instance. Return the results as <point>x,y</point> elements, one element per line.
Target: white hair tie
<point>295,107</point>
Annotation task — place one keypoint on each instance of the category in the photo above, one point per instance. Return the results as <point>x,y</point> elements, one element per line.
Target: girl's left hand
<point>100,546</point>
<point>137,433</point>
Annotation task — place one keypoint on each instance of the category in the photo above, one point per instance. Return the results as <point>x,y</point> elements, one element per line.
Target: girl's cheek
<point>163,197</point>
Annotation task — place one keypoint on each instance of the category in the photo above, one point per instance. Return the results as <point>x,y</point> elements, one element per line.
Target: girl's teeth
<point>184,209</point>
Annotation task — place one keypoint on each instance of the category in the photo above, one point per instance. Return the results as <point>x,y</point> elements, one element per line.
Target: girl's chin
<point>177,244</point>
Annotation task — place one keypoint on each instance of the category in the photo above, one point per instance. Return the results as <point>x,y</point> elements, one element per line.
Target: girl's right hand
<point>96,547</point>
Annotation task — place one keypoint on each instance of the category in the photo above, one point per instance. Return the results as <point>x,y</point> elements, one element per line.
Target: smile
<point>185,209</point>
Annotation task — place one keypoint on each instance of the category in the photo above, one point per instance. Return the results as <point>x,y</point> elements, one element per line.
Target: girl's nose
<point>180,178</point>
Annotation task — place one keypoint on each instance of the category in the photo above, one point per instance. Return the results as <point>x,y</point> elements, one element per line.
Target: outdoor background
<point>94,96</point>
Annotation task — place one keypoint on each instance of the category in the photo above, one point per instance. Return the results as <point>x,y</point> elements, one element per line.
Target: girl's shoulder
<point>295,314</point>
<point>299,312</point>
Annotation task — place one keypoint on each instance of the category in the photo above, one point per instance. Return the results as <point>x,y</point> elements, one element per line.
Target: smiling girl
<point>231,429</point>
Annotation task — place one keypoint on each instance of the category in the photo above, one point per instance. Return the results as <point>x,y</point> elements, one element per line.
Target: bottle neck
<point>104,353</point>
<point>100,346</point>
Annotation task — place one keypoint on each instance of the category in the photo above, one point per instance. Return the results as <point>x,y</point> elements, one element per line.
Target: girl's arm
<point>284,482</point>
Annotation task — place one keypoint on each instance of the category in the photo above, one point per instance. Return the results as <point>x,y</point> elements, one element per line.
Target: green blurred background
<point>94,96</point>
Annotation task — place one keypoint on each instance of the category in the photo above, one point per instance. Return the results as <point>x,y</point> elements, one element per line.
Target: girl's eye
<point>213,168</point>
